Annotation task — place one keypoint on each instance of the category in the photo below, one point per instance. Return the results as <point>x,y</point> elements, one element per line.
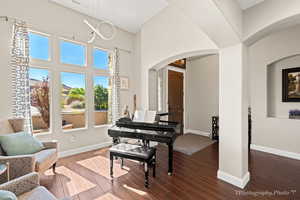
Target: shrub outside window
<point>73,100</point>
<point>101,92</point>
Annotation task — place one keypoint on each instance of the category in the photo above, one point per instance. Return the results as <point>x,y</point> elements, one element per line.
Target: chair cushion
<point>133,150</point>
<point>45,159</point>
<point>38,193</point>
<point>21,143</point>
<point>7,195</point>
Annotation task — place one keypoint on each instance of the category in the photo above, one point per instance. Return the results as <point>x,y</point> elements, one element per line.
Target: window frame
<point>50,74</point>
<point>50,46</point>
<point>99,72</point>
<point>109,51</point>
<point>109,85</point>
<point>60,39</point>
<point>55,67</point>
<point>86,112</point>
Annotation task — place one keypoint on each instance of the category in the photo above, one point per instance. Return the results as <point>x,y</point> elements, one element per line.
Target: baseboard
<point>239,182</point>
<point>276,151</point>
<point>83,149</point>
<point>197,132</point>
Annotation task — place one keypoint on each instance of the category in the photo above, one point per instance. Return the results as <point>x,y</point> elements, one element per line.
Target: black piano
<point>162,132</point>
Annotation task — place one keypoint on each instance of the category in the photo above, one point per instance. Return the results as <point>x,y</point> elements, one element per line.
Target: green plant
<point>78,105</point>
<point>75,94</point>
<point>101,97</point>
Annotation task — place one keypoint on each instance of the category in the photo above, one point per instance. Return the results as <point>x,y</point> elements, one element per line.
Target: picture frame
<point>291,85</point>
<point>124,83</point>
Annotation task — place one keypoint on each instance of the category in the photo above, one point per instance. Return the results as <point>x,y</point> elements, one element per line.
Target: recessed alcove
<point>276,108</point>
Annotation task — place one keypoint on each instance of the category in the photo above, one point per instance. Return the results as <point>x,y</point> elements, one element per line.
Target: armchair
<point>24,164</point>
<point>18,166</point>
<point>27,187</point>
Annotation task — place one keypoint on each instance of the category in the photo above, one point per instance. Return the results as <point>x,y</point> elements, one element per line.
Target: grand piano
<point>160,131</point>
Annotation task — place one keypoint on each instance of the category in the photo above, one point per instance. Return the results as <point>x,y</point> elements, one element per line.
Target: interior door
<point>175,97</point>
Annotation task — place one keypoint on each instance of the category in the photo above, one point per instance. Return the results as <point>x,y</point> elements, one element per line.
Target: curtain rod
<point>6,18</point>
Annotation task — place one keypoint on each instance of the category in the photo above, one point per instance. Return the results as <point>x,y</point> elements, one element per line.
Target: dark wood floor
<point>86,177</point>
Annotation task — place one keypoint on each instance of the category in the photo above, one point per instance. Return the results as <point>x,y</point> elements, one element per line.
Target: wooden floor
<point>86,177</point>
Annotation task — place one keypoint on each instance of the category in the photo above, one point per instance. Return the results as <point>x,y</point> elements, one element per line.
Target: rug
<point>191,143</point>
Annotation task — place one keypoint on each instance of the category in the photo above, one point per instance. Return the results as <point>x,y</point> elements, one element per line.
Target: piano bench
<point>144,154</point>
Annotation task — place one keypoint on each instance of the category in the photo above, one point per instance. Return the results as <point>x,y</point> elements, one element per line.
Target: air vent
<point>76,2</point>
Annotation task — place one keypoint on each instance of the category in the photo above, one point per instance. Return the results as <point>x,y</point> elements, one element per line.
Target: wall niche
<point>276,108</point>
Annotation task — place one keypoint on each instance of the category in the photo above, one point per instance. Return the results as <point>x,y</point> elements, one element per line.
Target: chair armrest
<point>22,184</point>
<point>50,144</point>
<point>18,166</point>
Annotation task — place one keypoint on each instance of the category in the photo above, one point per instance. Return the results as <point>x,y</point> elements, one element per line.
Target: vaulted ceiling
<point>245,4</point>
<point>129,15</point>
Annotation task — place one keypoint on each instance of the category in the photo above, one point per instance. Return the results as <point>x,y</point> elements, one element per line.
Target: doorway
<point>175,95</point>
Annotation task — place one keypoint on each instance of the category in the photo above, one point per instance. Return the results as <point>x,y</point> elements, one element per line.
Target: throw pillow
<point>7,195</point>
<point>21,143</point>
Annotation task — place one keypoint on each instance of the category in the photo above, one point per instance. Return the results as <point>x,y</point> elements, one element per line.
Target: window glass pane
<point>101,86</point>
<point>72,53</point>
<point>100,59</point>
<point>38,46</point>
<point>73,100</point>
<point>40,100</point>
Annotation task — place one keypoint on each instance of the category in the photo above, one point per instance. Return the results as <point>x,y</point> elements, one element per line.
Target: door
<point>175,97</point>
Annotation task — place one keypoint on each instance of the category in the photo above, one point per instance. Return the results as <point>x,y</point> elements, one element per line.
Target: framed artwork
<point>291,85</point>
<point>124,83</point>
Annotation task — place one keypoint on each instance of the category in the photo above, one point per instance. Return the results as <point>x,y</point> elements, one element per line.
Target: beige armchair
<point>27,187</point>
<point>24,164</point>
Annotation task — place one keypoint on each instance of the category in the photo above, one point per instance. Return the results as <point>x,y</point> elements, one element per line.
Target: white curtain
<point>20,76</point>
<point>114,93</point>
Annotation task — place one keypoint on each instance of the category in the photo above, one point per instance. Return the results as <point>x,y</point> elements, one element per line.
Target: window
<point>71,68</point>
<point>72,53</point>
<point>101,87</point>
<point>38,46</point>
<point>40,99</point>
<point>100,59</point>
<point>73,100</point>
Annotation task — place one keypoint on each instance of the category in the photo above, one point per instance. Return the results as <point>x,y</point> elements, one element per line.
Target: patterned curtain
<point>114,92</point>
<point>20,76</point>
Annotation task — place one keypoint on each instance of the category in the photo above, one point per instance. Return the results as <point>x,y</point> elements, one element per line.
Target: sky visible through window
<point>101,80</point>
<point>100,59</point>
<point>38,46</point>
<point>38,74</point>
<point>71,53</point>
<point>73,80</point>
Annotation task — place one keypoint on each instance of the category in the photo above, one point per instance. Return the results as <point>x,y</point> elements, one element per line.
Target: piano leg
<point>170,170</point>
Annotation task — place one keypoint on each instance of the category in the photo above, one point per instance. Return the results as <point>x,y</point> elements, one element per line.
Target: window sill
<point>103,126</point>
<point>42,134</point>
<point>75,130</point>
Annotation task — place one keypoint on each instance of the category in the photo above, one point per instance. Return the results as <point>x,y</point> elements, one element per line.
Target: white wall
<point>277,108</point>
<point>212,16</point>
<point>233,134</point>
<point>282,134</point>
<point>164,37</point>
<point>258,23</point>
<point>202,92</point>
<point>61,22</point>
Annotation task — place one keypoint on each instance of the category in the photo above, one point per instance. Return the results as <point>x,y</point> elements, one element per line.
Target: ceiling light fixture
<point>96,30</point>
